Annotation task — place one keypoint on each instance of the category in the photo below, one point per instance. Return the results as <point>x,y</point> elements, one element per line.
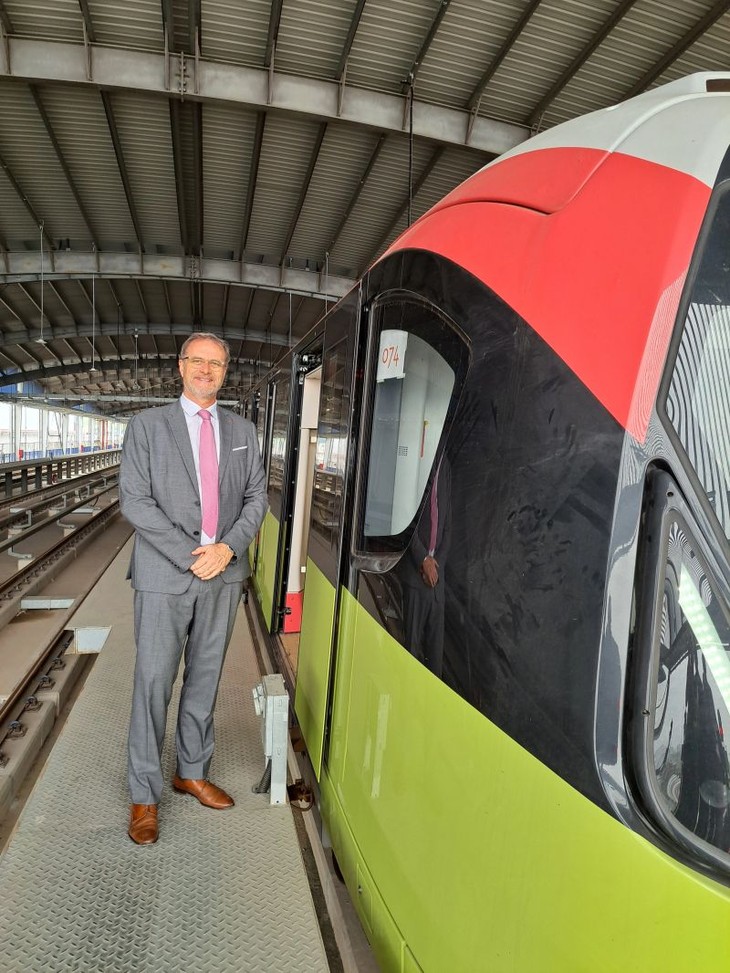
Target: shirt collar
<point>192,408</point>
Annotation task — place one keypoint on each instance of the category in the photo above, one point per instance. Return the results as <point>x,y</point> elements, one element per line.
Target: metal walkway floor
<point>220,891</point>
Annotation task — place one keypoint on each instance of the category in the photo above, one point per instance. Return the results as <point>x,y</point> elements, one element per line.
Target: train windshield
<point>691,737</point>
<point>698,400</point>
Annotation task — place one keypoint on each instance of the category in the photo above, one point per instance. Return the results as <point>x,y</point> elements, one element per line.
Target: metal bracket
<point>270,92</point>
<point>32,704</point>
<point>271,701</point>
<point>196,79</point>
<point>87,51</point>
<point>16,730</point>
<point>167,64</point>
<point>407,107</point>
<point>182,76</point>
<point>341,93</point>
<point>473,115</point>
<point>6,48</point>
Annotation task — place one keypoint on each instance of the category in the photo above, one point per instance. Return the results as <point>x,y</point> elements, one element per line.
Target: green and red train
<point>530,769</point>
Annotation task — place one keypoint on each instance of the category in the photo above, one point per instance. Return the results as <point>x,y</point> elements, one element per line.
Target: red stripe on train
<point>599,280</point>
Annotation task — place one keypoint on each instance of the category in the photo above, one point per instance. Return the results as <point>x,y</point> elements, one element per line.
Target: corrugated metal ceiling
<point>181,207</point>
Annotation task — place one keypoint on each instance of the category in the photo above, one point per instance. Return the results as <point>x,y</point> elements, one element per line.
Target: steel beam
<point>138,328</point>
<point>305,189</point>
<point>428,40</point>
<point>109,365</point>
<point>476,95</point>
<point>116,69</point>
<point>74,264</point>
<point>121,165</point>
<point>701,27</point>
<point>253,174</point>
<point>577,63</point>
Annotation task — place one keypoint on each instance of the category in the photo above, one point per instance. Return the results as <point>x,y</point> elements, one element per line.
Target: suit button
<point>196,533</point>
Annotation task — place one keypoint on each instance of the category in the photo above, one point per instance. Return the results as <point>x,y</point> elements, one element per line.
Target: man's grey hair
<point>196,336</point>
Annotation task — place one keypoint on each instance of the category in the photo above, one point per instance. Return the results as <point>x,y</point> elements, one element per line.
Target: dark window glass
<point>331,452</point>
<point>333,437</point>
<point>420,369</point>
<point>698,400</point>
<point>684,748</point>
<point>692,712</point>
<point>278,444</point>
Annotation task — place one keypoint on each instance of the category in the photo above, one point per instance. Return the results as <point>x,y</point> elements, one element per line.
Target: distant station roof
<point>170,166</point>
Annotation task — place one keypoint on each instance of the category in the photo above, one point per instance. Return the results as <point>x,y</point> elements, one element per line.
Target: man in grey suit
<point>192,485</point>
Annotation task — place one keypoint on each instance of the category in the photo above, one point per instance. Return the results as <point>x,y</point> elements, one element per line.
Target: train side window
<point>697,403</point>
<point>419,373</point>
<point>684,745</point>
<point>277,454</point>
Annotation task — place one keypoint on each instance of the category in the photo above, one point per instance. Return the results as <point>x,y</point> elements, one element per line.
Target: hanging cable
<point>93,319</point>
<point>290,319</point>
<point>410,146</point>
<point>40,340</point>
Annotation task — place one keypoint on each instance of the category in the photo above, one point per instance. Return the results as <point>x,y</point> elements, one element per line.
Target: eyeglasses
<point>199,362</point>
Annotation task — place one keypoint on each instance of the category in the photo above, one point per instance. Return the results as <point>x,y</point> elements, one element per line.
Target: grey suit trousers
<point>201,621</point>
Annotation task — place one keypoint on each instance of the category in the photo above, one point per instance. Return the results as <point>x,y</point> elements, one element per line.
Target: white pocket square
<point>236,448</point>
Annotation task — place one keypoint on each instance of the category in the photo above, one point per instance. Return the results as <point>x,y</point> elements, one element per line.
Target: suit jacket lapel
<point>179,427</point>
<point>225,423</point>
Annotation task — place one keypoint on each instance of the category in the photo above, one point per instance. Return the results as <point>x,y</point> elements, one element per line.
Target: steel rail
<point>11,542</point>
<point>49,496</point>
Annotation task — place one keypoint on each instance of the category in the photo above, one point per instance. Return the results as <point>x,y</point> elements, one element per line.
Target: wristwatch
<point>233,553</point>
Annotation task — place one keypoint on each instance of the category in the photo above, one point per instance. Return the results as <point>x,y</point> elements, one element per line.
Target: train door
<point>274,442</point>
<point>291,570</point>
<point>257,416</point>
<point>327,537</point>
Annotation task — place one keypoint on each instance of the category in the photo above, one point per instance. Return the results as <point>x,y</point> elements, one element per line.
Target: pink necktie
<point>208,474</point>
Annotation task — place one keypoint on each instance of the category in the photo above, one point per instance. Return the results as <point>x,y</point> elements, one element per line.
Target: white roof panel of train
<point>679,125</point>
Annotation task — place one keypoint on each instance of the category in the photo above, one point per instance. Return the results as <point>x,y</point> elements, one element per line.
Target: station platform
<point>219,891</point>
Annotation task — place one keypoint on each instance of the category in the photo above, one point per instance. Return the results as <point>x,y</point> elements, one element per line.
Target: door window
<point>279,433</point>
<point>420,370</point>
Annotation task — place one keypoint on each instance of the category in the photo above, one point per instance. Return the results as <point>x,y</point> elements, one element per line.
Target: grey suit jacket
<point>159,496</point>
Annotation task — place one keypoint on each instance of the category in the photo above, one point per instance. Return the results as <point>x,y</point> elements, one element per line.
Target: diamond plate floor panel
<point>221,890</point>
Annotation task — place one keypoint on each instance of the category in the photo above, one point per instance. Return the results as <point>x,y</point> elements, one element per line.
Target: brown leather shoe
<point>207,793</point>
<point>143,824</point>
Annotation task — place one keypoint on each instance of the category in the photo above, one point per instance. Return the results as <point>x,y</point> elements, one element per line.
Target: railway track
<point>39,661</point>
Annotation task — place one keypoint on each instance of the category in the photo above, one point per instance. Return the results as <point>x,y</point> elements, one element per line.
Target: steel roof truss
<point>685,42</point>
<point>62,162</point>
<point>577,63</point>
<point>252,179</point>
<point>305,188</point>
<point>116,69</point>
<point>476,95</point>
<point>123,174</point>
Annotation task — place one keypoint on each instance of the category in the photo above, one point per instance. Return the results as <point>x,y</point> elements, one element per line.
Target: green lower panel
<point>484,858</point>
<point>265,577</point>
<point>313,667</point>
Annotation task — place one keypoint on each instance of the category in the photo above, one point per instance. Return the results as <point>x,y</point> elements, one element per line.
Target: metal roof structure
<point>170,166</point>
